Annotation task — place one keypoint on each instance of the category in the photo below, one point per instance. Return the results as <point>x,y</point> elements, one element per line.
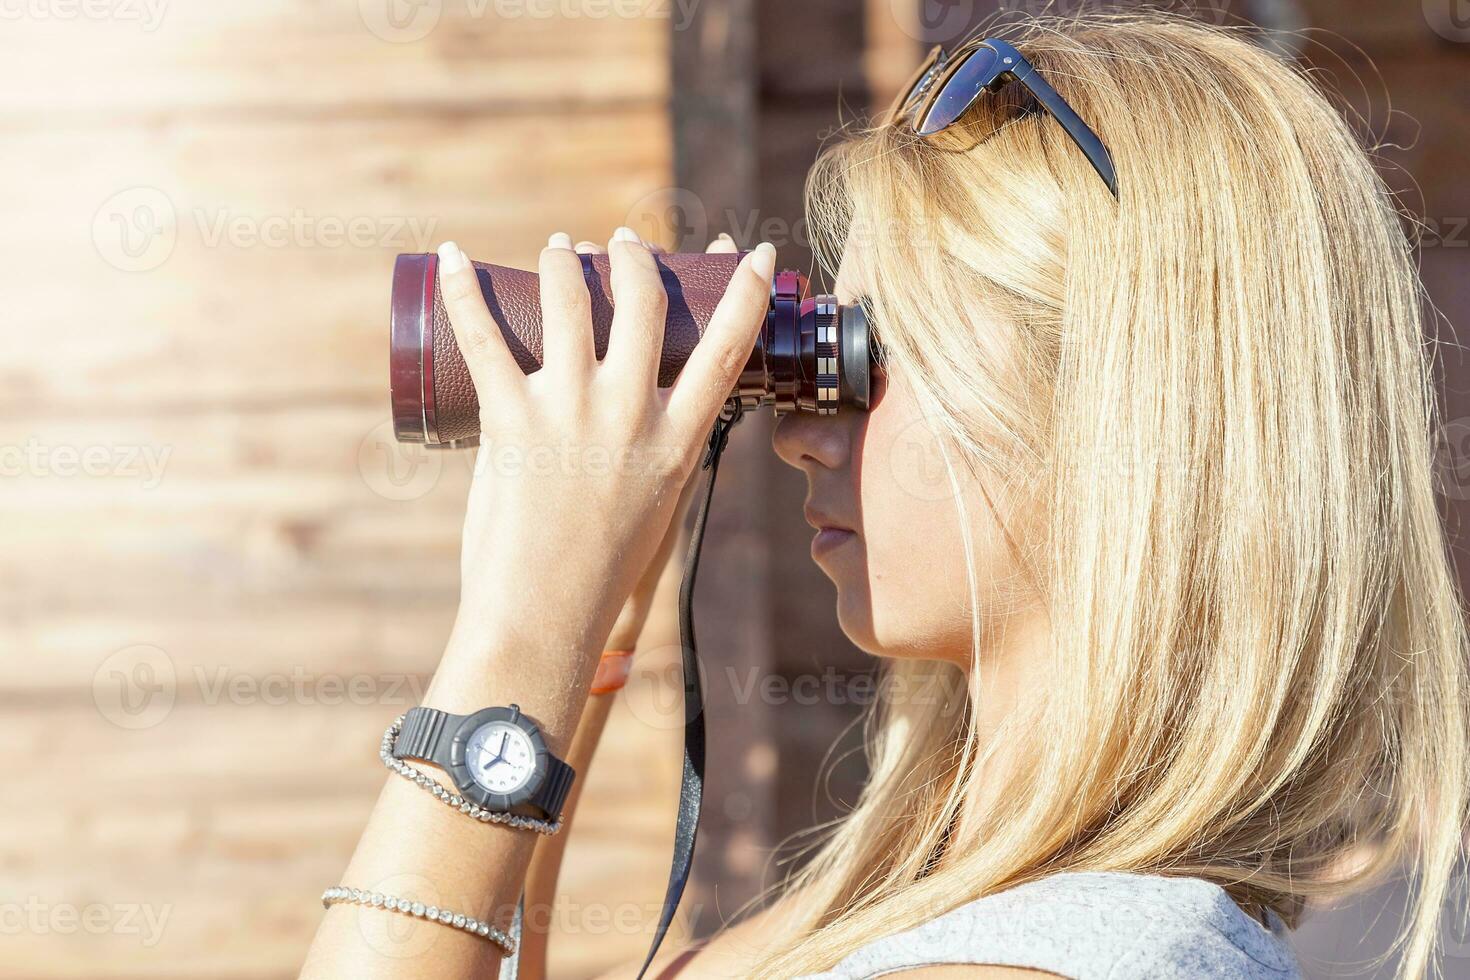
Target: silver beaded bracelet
<point>448,796</point>
<point>355,896</point>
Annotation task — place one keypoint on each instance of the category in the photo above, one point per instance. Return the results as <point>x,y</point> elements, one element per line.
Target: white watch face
<point>500,757</point>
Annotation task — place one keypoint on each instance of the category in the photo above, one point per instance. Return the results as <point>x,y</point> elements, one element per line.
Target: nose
<point>806,440</point>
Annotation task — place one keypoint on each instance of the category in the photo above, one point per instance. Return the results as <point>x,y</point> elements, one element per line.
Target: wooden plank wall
<point>220,578</point>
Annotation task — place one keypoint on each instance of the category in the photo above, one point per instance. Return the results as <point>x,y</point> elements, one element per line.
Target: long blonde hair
<point>1218,391</point>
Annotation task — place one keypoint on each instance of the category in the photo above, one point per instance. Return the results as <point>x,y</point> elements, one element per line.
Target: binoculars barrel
<point>812,353</point>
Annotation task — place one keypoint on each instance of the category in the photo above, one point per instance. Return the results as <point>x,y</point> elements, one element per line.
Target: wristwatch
<point>495,756</point>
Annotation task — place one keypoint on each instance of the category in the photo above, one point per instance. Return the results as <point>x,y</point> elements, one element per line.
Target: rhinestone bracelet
<point>377,900</point>
<point>449,797</point>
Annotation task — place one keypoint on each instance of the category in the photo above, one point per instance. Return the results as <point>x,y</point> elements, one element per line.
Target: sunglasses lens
<point>959,88</point>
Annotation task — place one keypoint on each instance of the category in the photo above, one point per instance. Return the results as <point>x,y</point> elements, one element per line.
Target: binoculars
<point>812,354</point>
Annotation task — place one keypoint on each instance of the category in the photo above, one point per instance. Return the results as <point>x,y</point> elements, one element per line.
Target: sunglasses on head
<point>947,85</point>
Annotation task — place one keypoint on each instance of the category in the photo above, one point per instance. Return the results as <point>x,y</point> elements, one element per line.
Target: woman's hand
<point>582,464</point>
<point>634,614</point>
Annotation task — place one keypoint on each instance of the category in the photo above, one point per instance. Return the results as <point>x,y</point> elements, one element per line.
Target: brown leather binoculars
<point>812,354</point>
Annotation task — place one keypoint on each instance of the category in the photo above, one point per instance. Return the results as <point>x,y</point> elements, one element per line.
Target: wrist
<point>486,639</point>
<point>547,672</point>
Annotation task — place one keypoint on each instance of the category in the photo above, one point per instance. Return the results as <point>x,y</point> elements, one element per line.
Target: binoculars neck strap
<point>691,786</point>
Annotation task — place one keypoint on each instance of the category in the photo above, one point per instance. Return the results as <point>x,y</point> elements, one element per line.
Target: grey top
<point>1091,926</point>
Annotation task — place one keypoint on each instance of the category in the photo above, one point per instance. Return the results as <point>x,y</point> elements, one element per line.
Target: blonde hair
<point>1217,389</point>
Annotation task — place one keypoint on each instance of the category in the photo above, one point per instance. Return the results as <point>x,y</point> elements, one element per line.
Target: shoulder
<point>729,953</point>
<point>969,971</point>
<point>1082,925</point>
<point>1092,924</point>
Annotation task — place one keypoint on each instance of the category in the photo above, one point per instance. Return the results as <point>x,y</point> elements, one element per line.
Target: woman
<point>1187,592</point>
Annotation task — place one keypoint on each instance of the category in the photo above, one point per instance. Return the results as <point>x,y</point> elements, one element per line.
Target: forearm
<point>416,847</point>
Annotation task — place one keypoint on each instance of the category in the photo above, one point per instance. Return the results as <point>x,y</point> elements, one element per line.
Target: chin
<point>901,638</point>
<point>855,617</point>
<point>856,621</point>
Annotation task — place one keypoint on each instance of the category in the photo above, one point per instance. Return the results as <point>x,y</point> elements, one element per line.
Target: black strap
<point>691,786</point>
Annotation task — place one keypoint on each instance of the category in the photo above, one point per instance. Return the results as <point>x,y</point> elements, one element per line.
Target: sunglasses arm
<point>1081,133</point>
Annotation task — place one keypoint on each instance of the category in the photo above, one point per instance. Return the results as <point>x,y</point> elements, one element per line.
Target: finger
<point>566,312</point>
<point>491,365</point>
<point>639,305</point>
<point>714,366</point>
<point>589,248</point>
<point>723,244</point>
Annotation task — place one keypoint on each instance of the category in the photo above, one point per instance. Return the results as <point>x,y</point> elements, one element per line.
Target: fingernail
<point>763,260</point>
<point>451,259</point>
<point>626,234</point>
<point>559,240</point>
<point>726,236</point>
<point>585,247</point>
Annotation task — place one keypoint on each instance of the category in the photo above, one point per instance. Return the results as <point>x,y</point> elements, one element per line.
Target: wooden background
<point>220,575</point>
<point>202,217</point>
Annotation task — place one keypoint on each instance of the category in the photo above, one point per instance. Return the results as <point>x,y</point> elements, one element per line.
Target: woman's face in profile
<point>892,543</point>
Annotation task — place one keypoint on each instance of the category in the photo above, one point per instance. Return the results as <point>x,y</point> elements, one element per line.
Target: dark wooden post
<point>716,139</point>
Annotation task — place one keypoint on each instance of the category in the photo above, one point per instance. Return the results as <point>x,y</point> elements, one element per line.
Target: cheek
<point>911,530</point>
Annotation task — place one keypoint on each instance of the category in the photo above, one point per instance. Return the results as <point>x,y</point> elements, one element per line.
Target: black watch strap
<point>420,736</point>
<point>552,794</point>
<point>426,735</point>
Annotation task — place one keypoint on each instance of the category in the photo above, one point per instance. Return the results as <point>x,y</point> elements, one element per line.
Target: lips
<point>822,521</point>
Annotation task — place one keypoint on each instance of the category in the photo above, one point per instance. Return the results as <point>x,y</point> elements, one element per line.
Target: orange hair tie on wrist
<point>612,671</point>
